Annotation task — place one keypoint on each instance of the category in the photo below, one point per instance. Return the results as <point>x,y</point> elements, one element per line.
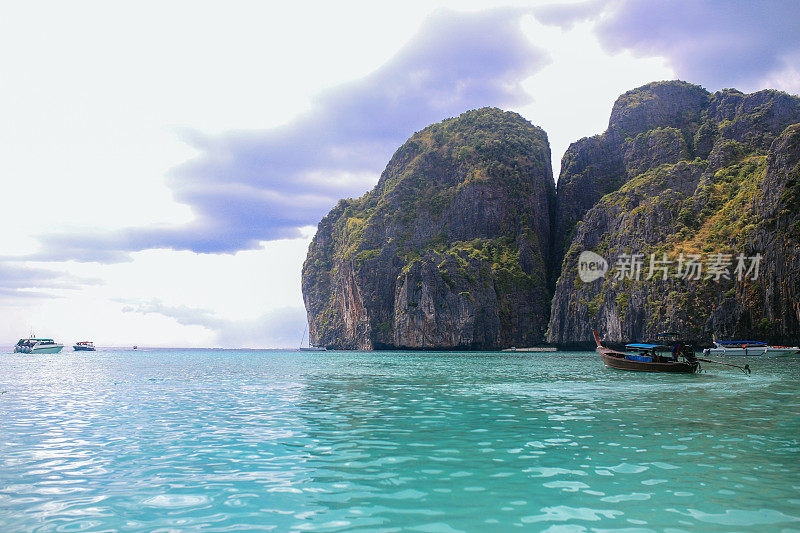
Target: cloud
<point>249,186</point>
<point>567,15</point>
<point>19,281</point>
<point>279,328</point>
<point>716,43</point>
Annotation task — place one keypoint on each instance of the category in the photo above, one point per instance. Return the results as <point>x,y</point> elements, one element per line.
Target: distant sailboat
<point>310,347</point>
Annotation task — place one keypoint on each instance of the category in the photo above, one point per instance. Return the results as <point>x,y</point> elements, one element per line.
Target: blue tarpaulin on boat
<point>641,358</point>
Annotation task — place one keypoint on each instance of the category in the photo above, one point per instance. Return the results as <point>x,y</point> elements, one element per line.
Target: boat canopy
<point>639,346</point>
<point>742,342</point>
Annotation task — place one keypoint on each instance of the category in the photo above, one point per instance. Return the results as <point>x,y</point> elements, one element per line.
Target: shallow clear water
<point>247,440</point>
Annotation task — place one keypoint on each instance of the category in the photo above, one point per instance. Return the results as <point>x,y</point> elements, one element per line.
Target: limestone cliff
<point>682,171</point>
<point>449,250</point>
<point>462,240</point>
<point>646,129</point>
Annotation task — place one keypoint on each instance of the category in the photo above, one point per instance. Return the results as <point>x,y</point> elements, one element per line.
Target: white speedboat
<point>749,349</point>
<point>36,345</point>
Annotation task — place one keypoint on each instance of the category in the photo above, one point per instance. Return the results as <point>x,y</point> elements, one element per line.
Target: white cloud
<point>574,93</point>
<point>96,96</point>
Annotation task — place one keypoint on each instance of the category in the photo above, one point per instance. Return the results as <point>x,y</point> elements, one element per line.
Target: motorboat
<point>84,346</point>
<point>34,345</point>
<point>641,357</point>
<point>749,349</point>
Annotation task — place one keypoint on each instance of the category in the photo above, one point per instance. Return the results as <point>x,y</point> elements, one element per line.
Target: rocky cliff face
<point>450,249</point>
<point>647,128</point>
<point>682,172</point>
<point>462,240</point>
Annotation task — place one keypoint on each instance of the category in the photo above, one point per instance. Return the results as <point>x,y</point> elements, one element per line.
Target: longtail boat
<point>650,358</point>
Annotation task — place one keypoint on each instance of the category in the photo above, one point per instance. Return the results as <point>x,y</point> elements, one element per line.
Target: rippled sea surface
<point>258,440</point>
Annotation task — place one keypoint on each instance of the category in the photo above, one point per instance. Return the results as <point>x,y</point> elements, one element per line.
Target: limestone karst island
<point>466,242</point>
<point>432,267</point>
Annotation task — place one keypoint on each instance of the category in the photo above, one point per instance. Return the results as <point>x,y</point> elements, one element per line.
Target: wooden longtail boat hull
<point>614,359</point>
<point>639,366</point>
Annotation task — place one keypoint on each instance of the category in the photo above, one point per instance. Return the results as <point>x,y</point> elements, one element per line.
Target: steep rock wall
<point>712,176</point>
<point>449,250</point>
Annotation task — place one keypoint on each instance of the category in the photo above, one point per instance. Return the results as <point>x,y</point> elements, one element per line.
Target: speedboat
<point>35,345</point>
<point>84,346</point>
<point>749,349</point>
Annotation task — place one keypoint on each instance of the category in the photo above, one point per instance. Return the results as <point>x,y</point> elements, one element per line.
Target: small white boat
<point>35,345</point>
<point>84,346</point>
<point>749,349</point>
<point>310,347</point>
<point>531,349</point>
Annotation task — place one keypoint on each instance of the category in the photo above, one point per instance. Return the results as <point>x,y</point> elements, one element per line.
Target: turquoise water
<point>249,440</point>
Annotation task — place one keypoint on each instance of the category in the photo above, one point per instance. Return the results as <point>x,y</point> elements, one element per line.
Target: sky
<point>163,165</point>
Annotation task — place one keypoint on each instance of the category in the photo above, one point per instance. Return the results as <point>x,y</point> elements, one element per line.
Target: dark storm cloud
<point>247,187</point>
<point>717,43</point>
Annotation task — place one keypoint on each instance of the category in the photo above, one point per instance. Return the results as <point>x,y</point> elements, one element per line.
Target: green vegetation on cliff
<point>695,172</point>
<point>471,196</point>
<point>460,243</point>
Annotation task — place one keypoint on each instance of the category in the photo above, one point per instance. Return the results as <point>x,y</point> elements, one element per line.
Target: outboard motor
<point>688,354</point>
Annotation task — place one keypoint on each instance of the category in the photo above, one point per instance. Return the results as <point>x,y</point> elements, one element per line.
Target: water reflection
<point>203,439</point>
